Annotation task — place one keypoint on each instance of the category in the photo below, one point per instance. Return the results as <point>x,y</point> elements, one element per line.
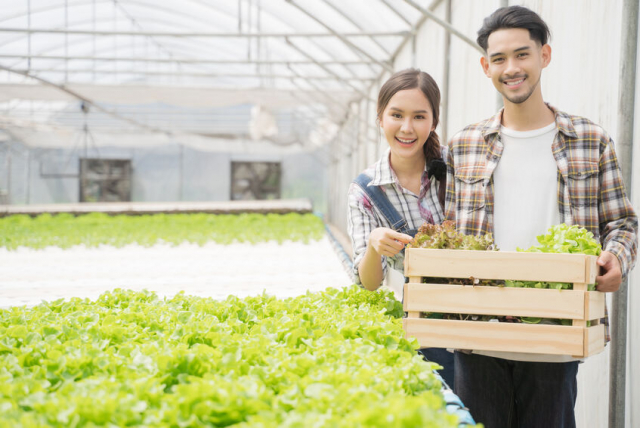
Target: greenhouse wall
<point>160,174</point>
<point>582,79</point>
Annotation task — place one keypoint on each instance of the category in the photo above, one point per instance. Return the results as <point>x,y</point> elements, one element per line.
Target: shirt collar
<point>383,173</point>
<point>563,123</point>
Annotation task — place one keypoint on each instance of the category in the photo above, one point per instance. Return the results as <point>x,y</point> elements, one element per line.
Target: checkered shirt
<point>363,216</point>
<point>590,188</point>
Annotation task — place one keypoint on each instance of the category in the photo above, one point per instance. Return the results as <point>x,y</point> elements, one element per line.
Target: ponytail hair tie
<point>436,168</point>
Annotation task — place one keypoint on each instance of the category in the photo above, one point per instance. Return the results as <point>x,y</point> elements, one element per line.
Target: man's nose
<point>513,67</point>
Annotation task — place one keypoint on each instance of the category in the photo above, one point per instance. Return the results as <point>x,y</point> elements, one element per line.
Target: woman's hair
<point>409,79</point>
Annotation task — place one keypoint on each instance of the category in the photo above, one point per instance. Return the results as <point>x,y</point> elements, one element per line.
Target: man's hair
<point>514,17</point>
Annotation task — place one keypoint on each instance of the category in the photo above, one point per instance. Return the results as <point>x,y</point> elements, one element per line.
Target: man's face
<point>514,62</point>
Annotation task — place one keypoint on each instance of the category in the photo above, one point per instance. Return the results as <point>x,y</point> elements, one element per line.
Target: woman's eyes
<point>399,116</point>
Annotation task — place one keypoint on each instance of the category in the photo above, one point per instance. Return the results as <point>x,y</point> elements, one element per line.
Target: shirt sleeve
<point>360,222</point>
<point>618,221</point>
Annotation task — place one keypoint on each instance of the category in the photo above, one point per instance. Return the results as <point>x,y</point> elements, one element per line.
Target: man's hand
<point>388,242</point>
<point>610,276</point>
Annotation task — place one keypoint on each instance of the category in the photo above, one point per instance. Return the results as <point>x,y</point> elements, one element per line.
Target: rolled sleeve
<point>618,221</point>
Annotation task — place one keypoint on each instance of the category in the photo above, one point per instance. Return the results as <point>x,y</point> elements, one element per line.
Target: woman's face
<point>407,122</point>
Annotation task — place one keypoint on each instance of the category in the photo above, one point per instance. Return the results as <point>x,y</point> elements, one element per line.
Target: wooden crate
<point>578,304</point>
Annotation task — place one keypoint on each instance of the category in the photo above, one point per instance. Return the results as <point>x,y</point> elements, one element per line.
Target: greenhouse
<point>249,213</point>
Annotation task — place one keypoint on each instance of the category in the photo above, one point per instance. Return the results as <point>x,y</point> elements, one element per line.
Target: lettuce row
<point>337,358</point>
<point>95,229</point>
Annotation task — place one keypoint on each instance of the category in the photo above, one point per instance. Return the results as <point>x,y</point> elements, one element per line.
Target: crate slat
<point>499,265</point>
<point>501,301</point>
<point>594,340</point>
<point>594,305</point>
<point>500,336</point>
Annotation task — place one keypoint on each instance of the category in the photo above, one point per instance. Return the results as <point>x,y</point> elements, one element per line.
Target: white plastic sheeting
<point>307,58</point>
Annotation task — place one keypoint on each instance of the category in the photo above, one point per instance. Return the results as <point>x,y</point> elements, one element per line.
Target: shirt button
<point>579,174</point>
<point>495,157</point>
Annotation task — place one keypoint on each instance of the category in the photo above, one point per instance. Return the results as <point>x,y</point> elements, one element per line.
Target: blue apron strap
<point>380,200</point>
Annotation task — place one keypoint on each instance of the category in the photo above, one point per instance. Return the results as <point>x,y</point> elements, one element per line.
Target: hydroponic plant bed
<point>52,257</point>
<point>336,358</point>
<point>95,229</point>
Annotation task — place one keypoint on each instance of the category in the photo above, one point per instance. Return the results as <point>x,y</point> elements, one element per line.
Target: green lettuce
<point>337,358</point>
<point>95,229</point>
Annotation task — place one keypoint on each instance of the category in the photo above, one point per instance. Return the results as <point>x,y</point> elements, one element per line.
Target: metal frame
<point>331,33</point>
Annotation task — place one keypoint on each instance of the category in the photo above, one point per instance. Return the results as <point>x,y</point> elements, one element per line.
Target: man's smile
<point>515,82</point>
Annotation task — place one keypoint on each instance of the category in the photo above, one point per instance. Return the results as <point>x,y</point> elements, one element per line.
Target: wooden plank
<point>496,265</point>
<point>591,269</point>
<point>494,336</point>
<point>480,300</point>
<point>594,340</point>
<point>594,305</point>
<point>581,322</point>
<point>414,280</point>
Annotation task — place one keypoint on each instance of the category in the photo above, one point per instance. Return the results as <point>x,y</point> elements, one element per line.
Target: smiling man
<point>516,174</point>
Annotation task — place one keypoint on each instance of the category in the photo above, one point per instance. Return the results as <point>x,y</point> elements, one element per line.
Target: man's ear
<point>485,65</point>
<point>546,55</point>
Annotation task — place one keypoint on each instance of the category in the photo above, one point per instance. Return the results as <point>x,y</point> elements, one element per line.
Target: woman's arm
<point>382,242</point>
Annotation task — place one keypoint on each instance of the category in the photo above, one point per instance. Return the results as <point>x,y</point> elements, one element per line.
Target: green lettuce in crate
<point>561,238</point>
<point>445,237</point>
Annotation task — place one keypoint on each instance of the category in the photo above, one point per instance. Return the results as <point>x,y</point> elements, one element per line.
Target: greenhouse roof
<point>278,70</point>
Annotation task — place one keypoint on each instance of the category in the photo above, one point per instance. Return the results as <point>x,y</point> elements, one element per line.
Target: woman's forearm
<point>370,269</point>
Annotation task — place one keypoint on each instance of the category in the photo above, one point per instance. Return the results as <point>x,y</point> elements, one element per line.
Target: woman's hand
<point>388,242</point>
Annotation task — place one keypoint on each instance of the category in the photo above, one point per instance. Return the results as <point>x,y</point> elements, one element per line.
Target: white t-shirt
<point>525,202</point>
<point>525,188</point>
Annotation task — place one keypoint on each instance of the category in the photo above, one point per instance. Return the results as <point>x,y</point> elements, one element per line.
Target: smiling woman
<point>404,189</point>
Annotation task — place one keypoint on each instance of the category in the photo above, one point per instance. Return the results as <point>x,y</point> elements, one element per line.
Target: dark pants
<point>506,394</point>
<point>444,358</point>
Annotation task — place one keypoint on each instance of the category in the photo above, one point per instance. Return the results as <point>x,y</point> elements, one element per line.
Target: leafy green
<point>445,236</point>
<point>337,358</point>
<point>95,229</point>
<point>561,238</point>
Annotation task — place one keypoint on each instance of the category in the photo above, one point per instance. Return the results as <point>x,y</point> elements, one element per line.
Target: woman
<point>404,189</point>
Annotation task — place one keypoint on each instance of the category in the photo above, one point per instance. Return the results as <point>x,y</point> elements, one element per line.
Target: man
<point>515,175</point>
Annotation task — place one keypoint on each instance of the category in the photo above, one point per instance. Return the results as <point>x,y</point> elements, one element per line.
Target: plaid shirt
<point>590,188</point>
<point>363,216</point>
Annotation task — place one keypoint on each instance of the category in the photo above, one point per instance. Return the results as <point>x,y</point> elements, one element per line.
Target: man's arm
<point>618,223</point>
